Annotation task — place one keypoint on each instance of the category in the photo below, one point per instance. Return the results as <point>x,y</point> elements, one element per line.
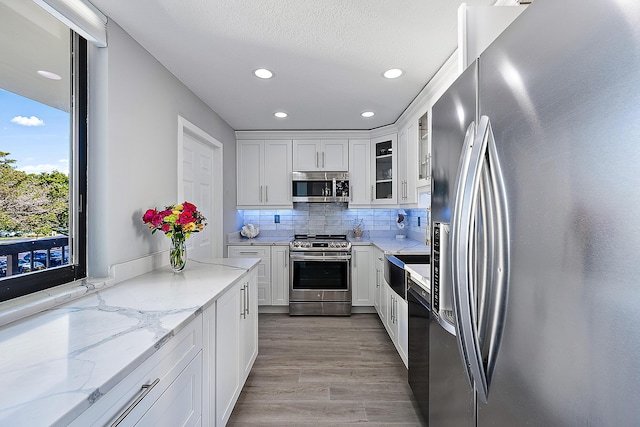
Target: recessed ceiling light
<point>263,73</point>
<point>280,114</point>
<point>368,114</point>
<point>393,73</point>
<point>49,75</point>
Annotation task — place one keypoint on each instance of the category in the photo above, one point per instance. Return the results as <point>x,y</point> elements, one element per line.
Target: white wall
<point>134,108</point>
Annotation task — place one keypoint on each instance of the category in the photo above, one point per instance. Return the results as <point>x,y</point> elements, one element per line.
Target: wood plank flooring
<point>326,371</point>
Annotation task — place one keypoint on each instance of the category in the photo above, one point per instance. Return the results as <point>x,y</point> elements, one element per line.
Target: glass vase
<point>178,255</point>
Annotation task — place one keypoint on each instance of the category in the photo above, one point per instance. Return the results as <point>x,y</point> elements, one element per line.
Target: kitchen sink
<point>394,272</point>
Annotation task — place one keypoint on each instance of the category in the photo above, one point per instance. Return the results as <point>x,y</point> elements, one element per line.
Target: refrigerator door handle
<point>483,155</point>
<point>463,169</point>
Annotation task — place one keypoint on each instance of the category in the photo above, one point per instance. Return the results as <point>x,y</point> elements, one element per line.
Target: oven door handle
<point>323,258</point>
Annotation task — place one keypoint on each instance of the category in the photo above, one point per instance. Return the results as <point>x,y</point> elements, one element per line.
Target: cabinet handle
<point>248,253</point>
<point>246,294</point>
<point>323,164</point>
<point>261,194</point>
<point>266,194</point>
<point>146,389</point>
<point>243,314</point>
<point>372,193</point>
<point>351,193</point>
<point>317,161</point>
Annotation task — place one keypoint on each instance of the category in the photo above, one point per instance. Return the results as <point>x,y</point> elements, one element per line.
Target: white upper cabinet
<point>408,164</point>
<point>384,170</point>
<point>359,171</point>
<point>424,151</point>
<point>320,155</point>
<point>264,174</point>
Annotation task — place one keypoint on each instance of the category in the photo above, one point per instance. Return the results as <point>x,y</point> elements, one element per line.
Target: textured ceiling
<point>328,56</point>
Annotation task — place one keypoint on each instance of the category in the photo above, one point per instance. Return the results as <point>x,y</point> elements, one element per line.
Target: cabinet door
<point>385,304</point>
<point>384,169</point>
<point>392,327</point>
<point>408,165</point>
<point>361,191</point>
<point>263,269</point>
<point>209,365</point>
<point>181,402</point>
<point>307,155</point>
<point>228,311</point>
<point>248,326</point>
<point>280,275</point>
<point>424,150</point>
<point>403,329</point>
<point>335,155</point>
<point>362,291</point>
<point>249,164</point>
<point>277,173</point>
<point>377,299</point>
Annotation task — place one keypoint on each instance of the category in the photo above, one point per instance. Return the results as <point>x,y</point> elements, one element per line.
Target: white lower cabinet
<point>273,271</point>
<point>236,344</point>
<point>169,382</point>
<point>195,378</point>
<point>264,267</point>
<point>396,320</point>
<point>378,256</point>
<point>362,291</point>
<point>280,275</point>
<point>402,344</point>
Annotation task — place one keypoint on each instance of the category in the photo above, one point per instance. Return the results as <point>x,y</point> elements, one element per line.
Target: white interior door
<point>200,156</point>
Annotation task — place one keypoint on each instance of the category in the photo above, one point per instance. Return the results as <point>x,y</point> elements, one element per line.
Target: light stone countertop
<point>421,274</point>
<point>52,362</point>
<point>389,245</point>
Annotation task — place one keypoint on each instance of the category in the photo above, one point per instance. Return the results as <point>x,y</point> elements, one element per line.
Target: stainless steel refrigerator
<point>536,225</point>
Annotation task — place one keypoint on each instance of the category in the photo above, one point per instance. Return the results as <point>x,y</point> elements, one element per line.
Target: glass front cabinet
<point>383,173</point>
<point>424,152</point>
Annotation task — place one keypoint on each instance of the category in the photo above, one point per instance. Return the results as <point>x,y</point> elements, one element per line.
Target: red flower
<point>148,215</point>
<point>157,219</point>
<point>166,228</point>
<point>185,218</point>
<point>188,207</point>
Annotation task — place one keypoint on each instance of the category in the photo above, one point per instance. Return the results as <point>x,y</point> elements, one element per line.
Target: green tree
<point>32,202</point>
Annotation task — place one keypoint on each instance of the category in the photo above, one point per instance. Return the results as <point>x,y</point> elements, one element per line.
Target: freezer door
<point>561,88</point>
<point>451,399</point>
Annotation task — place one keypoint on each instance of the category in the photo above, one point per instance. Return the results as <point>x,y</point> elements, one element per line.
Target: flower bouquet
<point>177,222</point>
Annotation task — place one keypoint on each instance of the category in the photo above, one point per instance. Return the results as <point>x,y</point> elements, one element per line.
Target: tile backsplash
<point>337,218</point>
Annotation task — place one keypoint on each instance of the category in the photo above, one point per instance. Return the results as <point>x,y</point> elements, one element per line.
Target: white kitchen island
<point>60,364</point>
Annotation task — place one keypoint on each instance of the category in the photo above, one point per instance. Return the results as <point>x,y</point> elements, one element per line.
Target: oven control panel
<point>315,245</point>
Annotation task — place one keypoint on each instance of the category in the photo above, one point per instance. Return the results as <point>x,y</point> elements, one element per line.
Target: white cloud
<point>44,168</point>
<point>27,121</point>
<point>63,161</point>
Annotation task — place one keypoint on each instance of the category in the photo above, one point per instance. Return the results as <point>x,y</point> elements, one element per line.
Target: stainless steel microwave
<point>320,187</point>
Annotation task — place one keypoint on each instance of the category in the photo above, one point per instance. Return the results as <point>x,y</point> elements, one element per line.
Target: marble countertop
<point>52,362</point>
<point>389,245</point>
<point>421,274</point>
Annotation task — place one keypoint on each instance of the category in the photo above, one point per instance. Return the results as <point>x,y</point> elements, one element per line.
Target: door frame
<point>215,217</point>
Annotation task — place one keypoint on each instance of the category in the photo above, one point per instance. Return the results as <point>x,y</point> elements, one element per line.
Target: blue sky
<point>36,135</point>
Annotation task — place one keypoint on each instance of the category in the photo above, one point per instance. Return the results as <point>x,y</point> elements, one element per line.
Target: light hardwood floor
<point>325,371</point>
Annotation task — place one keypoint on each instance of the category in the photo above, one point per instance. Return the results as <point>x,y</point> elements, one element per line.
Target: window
<point>43,140</point>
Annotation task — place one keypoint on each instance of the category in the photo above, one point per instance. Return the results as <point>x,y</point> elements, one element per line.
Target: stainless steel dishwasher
<point>419,301</point>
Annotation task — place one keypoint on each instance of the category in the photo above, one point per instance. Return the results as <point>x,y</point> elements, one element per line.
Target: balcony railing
<point>38,255</point>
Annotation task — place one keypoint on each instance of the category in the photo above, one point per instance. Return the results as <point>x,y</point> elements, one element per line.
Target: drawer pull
<point>249,253</point>
<point>146,389</point>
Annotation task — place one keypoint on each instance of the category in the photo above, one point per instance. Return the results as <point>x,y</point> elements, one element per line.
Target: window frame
<point>28,283</point>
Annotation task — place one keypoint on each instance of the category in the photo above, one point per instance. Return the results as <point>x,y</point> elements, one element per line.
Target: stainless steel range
<point>320,275</point>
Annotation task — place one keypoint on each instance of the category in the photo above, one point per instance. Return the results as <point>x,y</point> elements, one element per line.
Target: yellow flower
<point>178,207</point>
<point>175,212</point>
<point>200,227</point>
<point>189,227</point>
